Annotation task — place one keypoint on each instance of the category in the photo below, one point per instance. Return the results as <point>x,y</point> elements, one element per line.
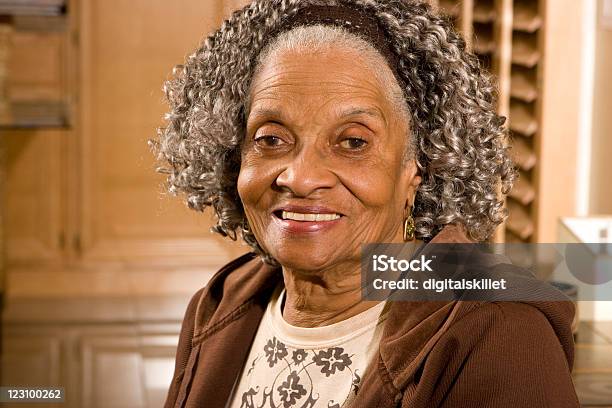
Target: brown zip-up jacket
<point>432,354</point>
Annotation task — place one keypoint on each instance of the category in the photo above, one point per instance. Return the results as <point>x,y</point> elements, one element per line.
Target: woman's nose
<point>306,173</point>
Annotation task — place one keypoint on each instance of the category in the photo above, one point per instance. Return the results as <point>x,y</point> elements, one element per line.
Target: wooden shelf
<point>523,84</point>
<point>526,17</point>
<point>523,192</point>
<point>50,23</point>
<point>32,7</point>
<point>524,50</point>
<point>37,95</point>
<point>35,114</point>
<point>484,11</point>
<point>519,222</point>
<point>522,154</point>
<point>484,43</point>
<point>522,119</point>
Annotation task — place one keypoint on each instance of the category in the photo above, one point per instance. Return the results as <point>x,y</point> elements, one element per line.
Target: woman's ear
<point>412,178</point>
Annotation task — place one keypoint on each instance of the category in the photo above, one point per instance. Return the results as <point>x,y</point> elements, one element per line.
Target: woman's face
<point>322,169</point>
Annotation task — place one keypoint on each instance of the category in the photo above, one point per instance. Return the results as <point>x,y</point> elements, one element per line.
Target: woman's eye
<point>269,141</point>
<point>353,143</point>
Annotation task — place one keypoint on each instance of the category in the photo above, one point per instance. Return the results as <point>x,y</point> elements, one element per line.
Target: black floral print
<point>247,397</point>
<point>332,359</point>
<point>356,382</point>
<point>299,356</point>
<point>275,350</point>
<point>291,383</point>
<point>291,390</point>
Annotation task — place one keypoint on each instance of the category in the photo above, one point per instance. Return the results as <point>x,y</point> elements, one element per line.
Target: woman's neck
<point>325,297</point>
<point>314,301</point>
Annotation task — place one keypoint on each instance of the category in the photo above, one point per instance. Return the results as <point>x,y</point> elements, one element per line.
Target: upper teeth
<point>288,215</point>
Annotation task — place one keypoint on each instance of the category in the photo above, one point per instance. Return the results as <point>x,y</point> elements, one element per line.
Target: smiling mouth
<point>306,217</point>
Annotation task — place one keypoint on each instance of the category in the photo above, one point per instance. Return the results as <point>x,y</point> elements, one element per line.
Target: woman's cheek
<point>250,188</point>
<point>254,186</point>
<point>374,189</point>
<point>251,184</point>
<point>246,184</point>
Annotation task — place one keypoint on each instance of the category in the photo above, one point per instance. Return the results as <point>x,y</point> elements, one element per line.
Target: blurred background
<point>98,262</point>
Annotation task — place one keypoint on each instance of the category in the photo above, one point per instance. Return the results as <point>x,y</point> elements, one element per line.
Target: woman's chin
<point>306,258</point>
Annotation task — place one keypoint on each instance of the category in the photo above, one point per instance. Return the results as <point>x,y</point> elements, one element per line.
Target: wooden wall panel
<point>99,363</point>
<point>128,49</point>
<point>559,116</point>
<point>601,165</point>
<point>35,70</point>
<point>34,227</point>
<point>112,373</point>
<point>35,158</point>
<point>31,361</point>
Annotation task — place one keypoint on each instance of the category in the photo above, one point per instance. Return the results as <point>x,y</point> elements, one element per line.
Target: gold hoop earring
<point>409,227</point>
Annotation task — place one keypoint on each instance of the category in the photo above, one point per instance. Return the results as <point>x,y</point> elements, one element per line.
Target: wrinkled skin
<point>322,131</point>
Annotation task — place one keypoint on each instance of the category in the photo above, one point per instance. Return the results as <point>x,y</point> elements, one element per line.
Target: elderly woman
<point>312,127</point>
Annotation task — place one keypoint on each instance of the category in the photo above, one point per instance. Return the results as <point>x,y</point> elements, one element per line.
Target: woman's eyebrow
<point>265,112</point>
<point>355,111</point>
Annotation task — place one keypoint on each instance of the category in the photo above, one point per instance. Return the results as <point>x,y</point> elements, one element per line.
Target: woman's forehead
<point>318,77</point>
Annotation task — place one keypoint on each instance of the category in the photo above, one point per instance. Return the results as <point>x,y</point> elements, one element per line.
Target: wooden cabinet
<point>125,214</point>
<point>34,200</point>
<point>88,193</point>
<point>112,366</point>
<point>101,260</point>
<point>34,126</point>
<point>111,360</point>
<point>126,369</point>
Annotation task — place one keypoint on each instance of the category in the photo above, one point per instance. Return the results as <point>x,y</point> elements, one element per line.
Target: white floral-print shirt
<point>292,366</point>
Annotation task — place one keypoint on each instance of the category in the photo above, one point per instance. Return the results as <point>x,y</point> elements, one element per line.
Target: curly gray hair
<point>461,150</point>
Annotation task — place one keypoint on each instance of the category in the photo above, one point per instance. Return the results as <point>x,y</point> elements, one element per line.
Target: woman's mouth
<point>288,215</point>
<point>296,222</point>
